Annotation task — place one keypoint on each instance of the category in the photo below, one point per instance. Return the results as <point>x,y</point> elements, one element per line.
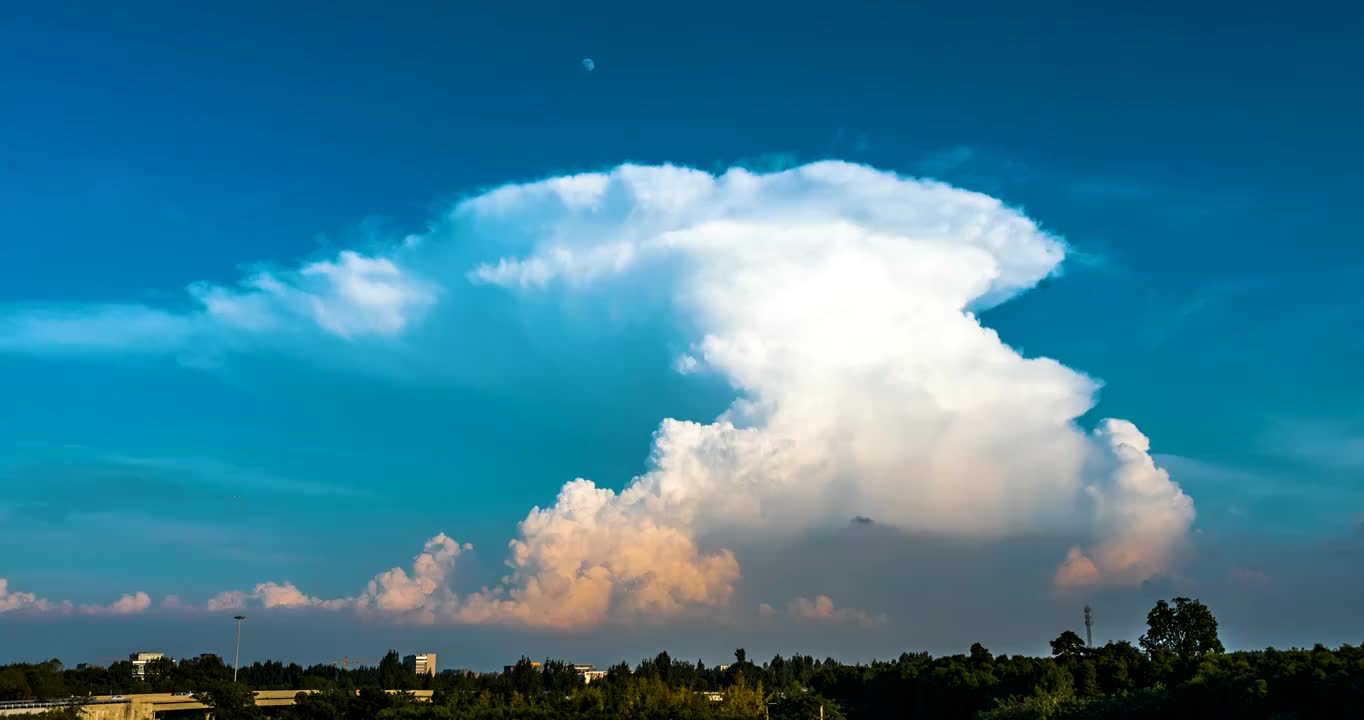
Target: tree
<point>328,705</point>
<point>740,656</point>
<point>392,674</point>
<point>158,673</point>
<point>1086,679</point>
<point>14,684</point>
<point>1068,645</point>
<point>230,701</point>
<point>1188,629</point>
<point>1121,666</point>
<point>805,706</point>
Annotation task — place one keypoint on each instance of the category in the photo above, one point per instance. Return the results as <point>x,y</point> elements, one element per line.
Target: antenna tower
<point>1089,627</point>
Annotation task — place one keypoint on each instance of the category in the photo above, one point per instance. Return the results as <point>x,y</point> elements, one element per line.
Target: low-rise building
<point>590,675</point>
<point>588,672</point>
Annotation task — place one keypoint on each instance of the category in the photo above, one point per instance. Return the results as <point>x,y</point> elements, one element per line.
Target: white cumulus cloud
<point>126,605</point>
<point>422,595</point>
<point>13,601</point>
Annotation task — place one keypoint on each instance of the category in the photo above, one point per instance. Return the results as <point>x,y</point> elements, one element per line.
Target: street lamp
<point>237,656</point>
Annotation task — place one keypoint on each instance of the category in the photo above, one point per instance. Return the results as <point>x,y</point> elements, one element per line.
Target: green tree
<point>1188,629</point>
<point>392,674</point>
<point>1086,678</point>
<point>369,702</point>
<point>1067,646</point>
<point>805,706</point>
<point>328,705</point>
<point>159,674</point>
<point>230,701</point>
<point>14,684</point>
<point>1121,666</point>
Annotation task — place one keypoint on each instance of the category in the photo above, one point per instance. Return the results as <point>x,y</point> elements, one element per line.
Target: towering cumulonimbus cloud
<point>839,302</point>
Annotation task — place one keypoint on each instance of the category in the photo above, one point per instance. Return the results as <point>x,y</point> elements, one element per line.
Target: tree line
<point>1177,669</point>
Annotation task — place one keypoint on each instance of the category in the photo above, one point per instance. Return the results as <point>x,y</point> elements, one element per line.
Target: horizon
<point>605,328</point>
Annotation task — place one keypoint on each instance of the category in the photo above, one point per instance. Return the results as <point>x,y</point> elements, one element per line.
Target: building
<point>423,664</point>
<point>140,660</point>
<point>588,672</point>
<point>89,666</point>
<point>508,668</point>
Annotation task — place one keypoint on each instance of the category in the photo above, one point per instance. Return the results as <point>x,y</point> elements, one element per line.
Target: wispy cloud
<point>821,609</point>
<point>1333,444</point>
<point>348,297</point>
<point>56,483</point>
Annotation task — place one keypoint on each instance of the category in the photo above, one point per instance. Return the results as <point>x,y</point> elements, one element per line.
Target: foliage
<point>1068,646</point>
<point>1183,673</point>
<point>1188,629</point>
<point>230,701</point>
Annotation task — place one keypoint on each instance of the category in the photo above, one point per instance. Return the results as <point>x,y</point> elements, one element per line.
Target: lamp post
<point>237,656</point>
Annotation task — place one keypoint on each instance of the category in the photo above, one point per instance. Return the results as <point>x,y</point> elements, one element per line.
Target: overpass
<point>151,706</point>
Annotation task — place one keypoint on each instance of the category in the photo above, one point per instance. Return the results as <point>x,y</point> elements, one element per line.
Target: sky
<point>844,331</point>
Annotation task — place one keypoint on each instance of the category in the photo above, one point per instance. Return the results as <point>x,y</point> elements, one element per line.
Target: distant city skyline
<point>591,331</point>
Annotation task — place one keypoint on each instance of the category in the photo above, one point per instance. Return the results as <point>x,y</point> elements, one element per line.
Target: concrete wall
<point>146,707</point>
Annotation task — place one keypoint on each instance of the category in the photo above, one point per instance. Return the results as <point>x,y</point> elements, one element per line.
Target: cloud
<point>25,602</point>
<point>1336,445</point>
<point>133,604</point>
<point>1139,510</point>
<point>351,296</point>
<point>21,602</point>
<point>842,306</point>
<point>820,609</point>
<point>596,553</point>
<point>286,595</point>
<point>228,600</point>
<point>270,596</point>
<point>424,594</point>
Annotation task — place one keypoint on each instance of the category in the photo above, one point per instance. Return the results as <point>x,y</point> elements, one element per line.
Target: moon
<point>588,65</point>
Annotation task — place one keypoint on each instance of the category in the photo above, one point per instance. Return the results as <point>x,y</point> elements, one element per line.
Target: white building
<point>588,673</point>
<point>423,664</point>
<point>140,660</point>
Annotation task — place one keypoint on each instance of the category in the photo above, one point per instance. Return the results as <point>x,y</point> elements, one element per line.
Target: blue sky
<point>1200,165</point>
